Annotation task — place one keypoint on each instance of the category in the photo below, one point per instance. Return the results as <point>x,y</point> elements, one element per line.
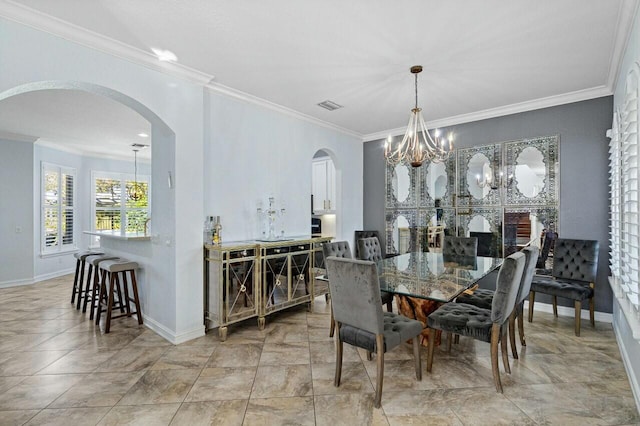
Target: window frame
<point>60,247</point>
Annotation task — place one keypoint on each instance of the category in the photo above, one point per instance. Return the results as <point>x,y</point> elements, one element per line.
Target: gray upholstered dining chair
<point>459,246</point>
<point>575,268</point>
<point>357,308</point>
<point>488,325</point>
<point>370,249</point>
<point>368,234</point>
<point>483,298</point>
<point>335,249</point>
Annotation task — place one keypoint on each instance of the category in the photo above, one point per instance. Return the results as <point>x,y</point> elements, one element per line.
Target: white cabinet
<point>323,185</point>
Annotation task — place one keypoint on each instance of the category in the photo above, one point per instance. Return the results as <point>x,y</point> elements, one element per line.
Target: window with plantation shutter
<point>57,209</point>
<point>624,175</point>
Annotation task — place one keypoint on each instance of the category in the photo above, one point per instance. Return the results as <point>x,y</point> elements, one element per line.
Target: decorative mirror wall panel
<point>401,232</point>
<point>531,171</point>
<point>505,194</point>
<point>437,184</point>
<point>402,186</point>
<point>478,172</point>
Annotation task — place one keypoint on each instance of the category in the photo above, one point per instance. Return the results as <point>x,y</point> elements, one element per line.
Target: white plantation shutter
<point>624,175</point>
<point>57,208</point>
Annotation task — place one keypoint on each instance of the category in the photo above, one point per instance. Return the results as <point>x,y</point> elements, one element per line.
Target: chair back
<point>355,293</point>
<point>531,259</point>
<point>460,246</point>
<point>507,286</point>
<point>548,242</point>
<point>576,259</point>
<point>369,249</point>
<point>368,234</point>
<point>337,249</point>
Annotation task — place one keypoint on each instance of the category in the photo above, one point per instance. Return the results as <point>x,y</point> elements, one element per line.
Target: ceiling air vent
<point>139,146</point>
<point>331,106</point>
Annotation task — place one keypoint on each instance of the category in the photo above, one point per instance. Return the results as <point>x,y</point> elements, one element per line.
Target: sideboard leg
<point>261,323</point>
<point>222,333</point>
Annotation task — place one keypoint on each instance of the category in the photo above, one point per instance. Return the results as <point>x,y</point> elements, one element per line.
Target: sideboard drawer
<point>277,250</point>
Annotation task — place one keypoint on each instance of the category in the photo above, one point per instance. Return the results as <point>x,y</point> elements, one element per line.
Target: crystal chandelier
<point>418,145</point>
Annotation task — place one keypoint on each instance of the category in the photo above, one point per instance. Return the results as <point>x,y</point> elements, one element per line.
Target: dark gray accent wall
<point>584,185</point>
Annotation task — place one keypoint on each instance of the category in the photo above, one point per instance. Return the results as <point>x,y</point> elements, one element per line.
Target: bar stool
<point>91,290</point>
<point>79,276</point>
<point>110,271</point>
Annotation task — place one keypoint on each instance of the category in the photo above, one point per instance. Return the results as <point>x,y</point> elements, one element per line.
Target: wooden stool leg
<point>80,281</point>
<point>75,282</point>
<point>125,289</point>
<point>113,281</point>
<point>119,291</point>
<point>86,289</point>
<point>95,290</point>
<point>136,300</point>
<point>101,296</point>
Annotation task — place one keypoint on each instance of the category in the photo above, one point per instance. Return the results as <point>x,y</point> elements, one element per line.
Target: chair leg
<point>456,339</point>
<point>578,304</point>
<point>75,282</point>
<point>431,342</point>
<point>555,306</point>
<point>380,362</point>
<point>369,356</point>
<point>449,341</point>
<point>390,306</point>
<point>79,289</point>
<point>416,357</point>
<point>532,299</point>
<point>336,380</point>
<point>332,325</point>
<point>113,282</point>
<point>592,311</point>
<point>521,324</point>
<point>136,298</point>
<point>86,289</point>
<point>512,334</point>
<point>495,338</point>
<point>505,351</point>
<point>101,296</point>
<point>94,292</point>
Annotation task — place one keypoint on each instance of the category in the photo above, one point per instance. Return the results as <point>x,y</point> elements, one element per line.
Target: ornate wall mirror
<point>524,225</point>
<point>437,184</point>
<point>401,186</point>
<point>486,225</point>
<point>531,170</point>
<point>401,230</point>
<point>478,176</point>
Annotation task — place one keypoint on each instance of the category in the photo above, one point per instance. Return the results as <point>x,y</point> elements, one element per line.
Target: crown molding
<point>626,13</point>
<point>17,137</point>
<point>237,94</point>
<point>74,33</point>
<point>550,101</point>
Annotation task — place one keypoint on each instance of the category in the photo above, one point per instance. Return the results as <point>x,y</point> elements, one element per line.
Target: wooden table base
<point>419,309</point>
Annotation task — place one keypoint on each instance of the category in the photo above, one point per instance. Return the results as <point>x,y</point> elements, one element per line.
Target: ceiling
<point>480,59</point>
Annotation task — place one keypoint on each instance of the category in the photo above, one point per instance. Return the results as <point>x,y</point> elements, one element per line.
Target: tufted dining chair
<point>360,321</point>
<point>575,268</point>
<point>483,298</point>
<point>488,325</point>
<point>460,246</point>
<point>368,234</point>
<point>369,249</point>
<point>336,249</point>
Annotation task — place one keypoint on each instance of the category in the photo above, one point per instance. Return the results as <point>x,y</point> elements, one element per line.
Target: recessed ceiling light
<point>143,135</point>
<point>164,55</point>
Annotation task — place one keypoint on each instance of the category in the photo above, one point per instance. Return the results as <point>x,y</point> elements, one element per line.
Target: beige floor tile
<point>150,339</point>
<point>27,363</point>
<point>112,387</point>
<point>274,381</point>
<point>67,341</point>
<point>7,383</point>
<point>285,332</point>
<point>481,406</point>
<point>161,387</point>
<point>217,384</point>
<point>16,417</point>
<point>219,413</point>
<point>610,400</point>
<point>236,355</point>
<point>142,415</point>
<point>69,416</point>
<point>37,391</point>
<point>23,342</point>
<point>180,357</point>
<point>281,411</point>
<point>325,352</point>
<point>354,379</point>
<point>133,359</point>
<point>353,408</point>
<point>285,353</point>
<point>78,361</point>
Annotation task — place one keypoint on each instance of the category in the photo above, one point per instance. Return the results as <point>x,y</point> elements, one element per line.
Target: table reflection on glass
<point>424,281</point>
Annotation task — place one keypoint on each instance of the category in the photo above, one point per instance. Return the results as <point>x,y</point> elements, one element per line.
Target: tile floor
<point>57,368</point>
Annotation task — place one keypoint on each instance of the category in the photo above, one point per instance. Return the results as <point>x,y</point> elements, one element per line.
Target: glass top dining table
<point>433,276</point>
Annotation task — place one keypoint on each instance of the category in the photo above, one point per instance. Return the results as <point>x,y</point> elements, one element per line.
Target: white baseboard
<point>628,365</point>
<point>566,311</point>
<point>16,283</point>
<point>52,275</point>
<point>170,335</point>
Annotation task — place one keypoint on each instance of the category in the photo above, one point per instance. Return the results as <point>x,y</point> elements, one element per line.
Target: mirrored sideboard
<point>505,194</point>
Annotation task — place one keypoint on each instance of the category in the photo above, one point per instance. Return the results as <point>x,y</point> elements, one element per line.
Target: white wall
<point>252,152</point>
<point>16,213</point>
<point>629,346</point>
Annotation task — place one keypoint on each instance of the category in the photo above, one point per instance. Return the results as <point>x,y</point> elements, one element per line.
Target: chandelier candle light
<point>418,145</point>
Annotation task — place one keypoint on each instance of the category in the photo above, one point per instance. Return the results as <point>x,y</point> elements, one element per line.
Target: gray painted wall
<point>584,185</point>
<point>16,211</point>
